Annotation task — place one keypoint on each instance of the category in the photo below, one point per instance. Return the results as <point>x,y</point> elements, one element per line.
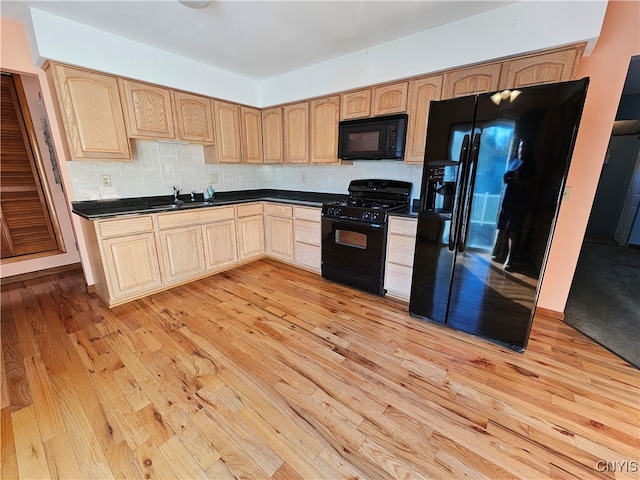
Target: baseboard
<point>545,312</point>
<point>40,273</point>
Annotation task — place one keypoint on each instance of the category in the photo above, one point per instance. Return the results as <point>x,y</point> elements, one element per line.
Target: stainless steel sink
<point>176,206</point>
<point>165,207</point>
<point>195,204</point>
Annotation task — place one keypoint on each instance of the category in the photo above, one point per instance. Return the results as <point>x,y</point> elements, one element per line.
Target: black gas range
<point>354,232</point>
<point>370,201</point>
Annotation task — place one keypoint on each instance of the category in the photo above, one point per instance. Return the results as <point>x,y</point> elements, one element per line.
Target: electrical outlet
<point>213,178</point>
<point>566,195</point>
<point>106,181</point>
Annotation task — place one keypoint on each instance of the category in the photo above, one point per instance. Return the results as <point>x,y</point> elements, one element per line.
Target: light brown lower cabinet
<point>138,255</point>
<point>250,231</point>
<point>399,263</point>
<point>279,231</point>
<point>129,257</point>
<point>220,245</point>
<point>182,253</point>
<point>307,235</point>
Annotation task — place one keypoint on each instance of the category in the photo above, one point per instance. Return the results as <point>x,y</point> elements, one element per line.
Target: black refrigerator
<point>494,171</point>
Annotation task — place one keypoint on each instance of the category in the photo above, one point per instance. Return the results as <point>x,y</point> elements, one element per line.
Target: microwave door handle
<point>466,211</point>
<point>453,227</point>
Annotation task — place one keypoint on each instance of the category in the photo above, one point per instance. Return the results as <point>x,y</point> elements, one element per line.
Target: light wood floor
<point>267,371</point>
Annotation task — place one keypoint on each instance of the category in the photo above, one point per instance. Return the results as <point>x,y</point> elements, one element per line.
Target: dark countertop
<point>97,209</point>
<point>407,214</point>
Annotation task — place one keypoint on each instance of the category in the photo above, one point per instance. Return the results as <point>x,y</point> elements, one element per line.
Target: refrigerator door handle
<point>453,227</point>
<point>466,210</point>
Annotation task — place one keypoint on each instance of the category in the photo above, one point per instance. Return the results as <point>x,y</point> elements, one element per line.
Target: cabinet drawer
<point>309,256</point>
<point>308,232</point>
<point>311,214</point>
<point>278,210</point>
<point>398,280</point>
<point>403,226</point>
<point>125,226</point>
<point>401,250</point>
<point>194,217</point>
<point>249,209</point>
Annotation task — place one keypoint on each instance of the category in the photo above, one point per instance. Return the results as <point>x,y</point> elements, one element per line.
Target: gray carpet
<point>604,301</point>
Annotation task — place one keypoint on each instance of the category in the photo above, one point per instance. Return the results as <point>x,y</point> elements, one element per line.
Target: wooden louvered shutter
<point>24,216</point>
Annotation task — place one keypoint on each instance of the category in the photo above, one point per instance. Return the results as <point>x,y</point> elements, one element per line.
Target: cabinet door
<point>251,127</point>
<point>272,135</point>
<point>296,133</point>
<point>182,253</point>
<point>227,132</point>
<point>325,115</point>
<point>220,246</point>
<point>355,104</point>
<point>132,264</point>
<point>421,92</point>
<point>468,81</point>
<point>92,114</point>
<point>149,111</point>
<point>558,66</point>
<point>251,237</point>
<point>193,117</point>
<point>280,237</point>
<point>390,98</point>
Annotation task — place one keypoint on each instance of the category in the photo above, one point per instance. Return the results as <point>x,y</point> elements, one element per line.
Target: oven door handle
<point>353,222</point>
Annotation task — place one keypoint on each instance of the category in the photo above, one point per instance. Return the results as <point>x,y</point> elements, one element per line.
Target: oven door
<point>353,253</point>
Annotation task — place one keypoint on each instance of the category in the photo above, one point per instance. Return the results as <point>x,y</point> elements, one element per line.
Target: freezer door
<point>448,142</point>
<point>514,184</point>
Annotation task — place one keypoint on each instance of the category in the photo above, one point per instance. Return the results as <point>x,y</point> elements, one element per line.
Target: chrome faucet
<point>176,200</point>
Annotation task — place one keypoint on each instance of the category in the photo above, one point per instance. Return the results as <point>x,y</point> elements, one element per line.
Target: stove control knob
<point>365,215</point>
<point>374,216</point>
<point>330,211</point>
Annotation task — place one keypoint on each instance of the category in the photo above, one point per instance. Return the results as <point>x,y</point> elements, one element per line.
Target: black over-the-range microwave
<point>377,138</point>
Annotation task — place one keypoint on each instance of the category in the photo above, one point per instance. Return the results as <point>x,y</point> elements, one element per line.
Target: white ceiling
<point>258,39</point>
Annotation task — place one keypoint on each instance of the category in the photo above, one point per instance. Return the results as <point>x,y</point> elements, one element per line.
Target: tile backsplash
<point>158,166</point>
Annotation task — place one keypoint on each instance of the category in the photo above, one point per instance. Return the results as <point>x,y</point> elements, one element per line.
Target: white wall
<point>513,29</point>
<point>55,38</point>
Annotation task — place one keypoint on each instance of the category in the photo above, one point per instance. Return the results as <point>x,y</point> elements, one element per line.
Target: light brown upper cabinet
<point>148,110</point>
<point>557,66</point>
<point>390,98</point>
<point>471,80</point>
<point>325,114</point>
<point>227,132</point>
<point>421,92</point>
<point>355,104</point>
<point>193,117</point>
<point>296,132</point>
<point>272,135</point>
<point>251,128</point>
<point>91,113</point>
